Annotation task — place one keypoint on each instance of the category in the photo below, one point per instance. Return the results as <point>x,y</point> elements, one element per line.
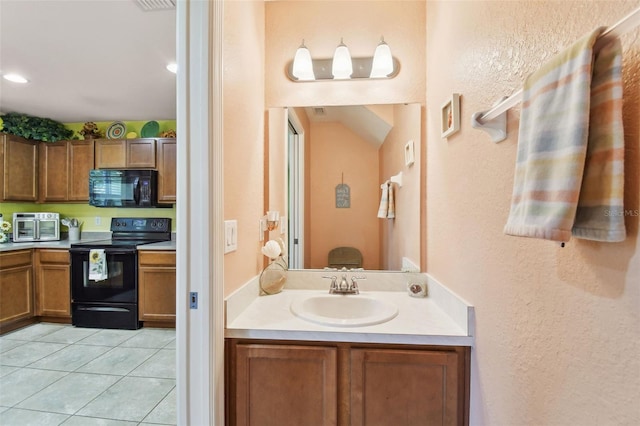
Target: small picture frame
<point>450,116</point>
<point>409,156</point>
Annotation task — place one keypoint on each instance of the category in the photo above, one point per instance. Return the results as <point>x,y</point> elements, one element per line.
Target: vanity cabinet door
<point>275,385</point>
<point>407,387</point>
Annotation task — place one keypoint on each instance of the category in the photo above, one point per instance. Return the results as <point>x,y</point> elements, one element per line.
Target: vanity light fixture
<point>342,66</point>
<point>15,78</point>
<point>382,61</point>
<point>302,64</point>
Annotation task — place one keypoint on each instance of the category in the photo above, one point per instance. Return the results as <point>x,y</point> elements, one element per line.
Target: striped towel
<point>553,189</point>
<point>387,208</point>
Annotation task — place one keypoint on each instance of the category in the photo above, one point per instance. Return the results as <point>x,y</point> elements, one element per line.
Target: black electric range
<point>110,300</point>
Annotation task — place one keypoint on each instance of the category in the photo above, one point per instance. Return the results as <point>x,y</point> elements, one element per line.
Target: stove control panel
<point>140,224</point>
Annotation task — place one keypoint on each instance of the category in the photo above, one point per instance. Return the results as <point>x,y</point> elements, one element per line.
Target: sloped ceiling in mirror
<point>371,122</point>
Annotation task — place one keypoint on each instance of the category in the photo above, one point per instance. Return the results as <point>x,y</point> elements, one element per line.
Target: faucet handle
<point>333,279</point>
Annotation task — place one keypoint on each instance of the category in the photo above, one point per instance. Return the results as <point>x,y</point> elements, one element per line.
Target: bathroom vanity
<point>411,369</point>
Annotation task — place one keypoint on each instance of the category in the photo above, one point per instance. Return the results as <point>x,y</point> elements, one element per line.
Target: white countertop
<point>442,318</point>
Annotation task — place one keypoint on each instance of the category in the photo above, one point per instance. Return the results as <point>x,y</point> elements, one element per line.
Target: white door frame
<point>295,194</point>
<point>199,213</point>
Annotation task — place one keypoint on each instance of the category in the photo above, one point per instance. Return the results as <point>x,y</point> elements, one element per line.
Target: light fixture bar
<point>361,70</point>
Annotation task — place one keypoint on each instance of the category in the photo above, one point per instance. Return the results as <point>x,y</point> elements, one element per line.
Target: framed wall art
<point>450,116</point>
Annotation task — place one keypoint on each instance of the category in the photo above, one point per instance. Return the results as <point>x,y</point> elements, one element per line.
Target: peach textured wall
<point>276,178</point>
<point>398,236</point>
<point>557,329</point>
<point>244,136</point>
<point>361,23</point>
<point>339,155</point>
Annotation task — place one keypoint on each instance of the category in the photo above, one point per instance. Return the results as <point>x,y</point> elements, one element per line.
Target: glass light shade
<point>342,67</point>
<point>15,78</point>
<point>382,61</point>
<point>302,64</point>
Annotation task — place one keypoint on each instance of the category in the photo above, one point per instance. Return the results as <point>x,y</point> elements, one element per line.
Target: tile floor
<point>53,374</point>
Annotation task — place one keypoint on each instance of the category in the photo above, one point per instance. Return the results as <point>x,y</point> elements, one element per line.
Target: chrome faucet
<point>344,287</point>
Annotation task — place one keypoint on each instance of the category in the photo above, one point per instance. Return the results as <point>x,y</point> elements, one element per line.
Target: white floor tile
<point>132,398</point>
<point>68,335</point>
<point>151,338</point>
<point>70,393</point>
<point>94,421</point>
<point>18,417</point>
<point>33,332</point>
<point>8,344</point>
<point>25,382</point>
<point>24,355</point>
<point>165,413</point>
<point>109,337</point>
<point>120,361</point>
<point>53,374</point>
<point>70,358</point>
<point>161,365</point>
<point>7,369</point>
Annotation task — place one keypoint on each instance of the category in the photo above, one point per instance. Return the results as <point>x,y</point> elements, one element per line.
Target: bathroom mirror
<point>337,159</point>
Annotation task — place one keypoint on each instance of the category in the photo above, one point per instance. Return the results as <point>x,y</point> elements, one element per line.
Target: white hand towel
<point>383,210</point>
<point>98,265</point>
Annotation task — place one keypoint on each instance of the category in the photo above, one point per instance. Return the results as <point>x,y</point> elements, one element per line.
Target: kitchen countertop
<point>86,237</point>
<point>441,318</point>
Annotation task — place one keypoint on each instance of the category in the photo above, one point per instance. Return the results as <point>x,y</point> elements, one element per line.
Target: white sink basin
<point>344,310</point>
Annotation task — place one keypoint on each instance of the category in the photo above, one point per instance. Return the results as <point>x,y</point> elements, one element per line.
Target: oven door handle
<point>103,309</point>
<point>136,191</point>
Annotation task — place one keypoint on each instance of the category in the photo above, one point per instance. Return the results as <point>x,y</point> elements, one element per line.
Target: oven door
<point>121,285</point>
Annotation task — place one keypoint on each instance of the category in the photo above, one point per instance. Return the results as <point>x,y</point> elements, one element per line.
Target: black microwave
<point>124,188</point>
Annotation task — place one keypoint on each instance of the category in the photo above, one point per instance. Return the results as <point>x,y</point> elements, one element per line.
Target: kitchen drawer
<point>15,258</point>
<point>158,258</point>
<point>54,256</point>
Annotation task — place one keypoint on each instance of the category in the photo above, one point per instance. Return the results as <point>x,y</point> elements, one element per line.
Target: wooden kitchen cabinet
<point>64,170</point>
<point>19,174</point>
<point>16,289</point>
<point>274,385</point>
<point>166,161</point>
<point>125,153</point>
<point>157,287</point>
<point>325,383</point>
<point>53,288</point>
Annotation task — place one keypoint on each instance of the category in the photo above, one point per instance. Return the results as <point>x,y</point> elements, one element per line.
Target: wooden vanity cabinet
<point>166,161</point>
<point>274,385</point>
<point>19,174</point>
<point>64,170</point>
<point>16,289</point>
<point>53,288</point>
<point>125,153</point>
<point>325,383</point>
<point>157,288</point>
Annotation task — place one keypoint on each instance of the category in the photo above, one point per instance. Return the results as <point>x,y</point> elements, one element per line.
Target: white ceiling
<point>87,60</point>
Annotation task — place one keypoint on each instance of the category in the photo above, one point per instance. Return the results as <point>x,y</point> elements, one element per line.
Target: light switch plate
<point>230,235</point>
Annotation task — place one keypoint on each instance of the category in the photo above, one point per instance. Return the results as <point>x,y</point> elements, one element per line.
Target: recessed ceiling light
<point>173,67</point>
<point>15,78</point>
